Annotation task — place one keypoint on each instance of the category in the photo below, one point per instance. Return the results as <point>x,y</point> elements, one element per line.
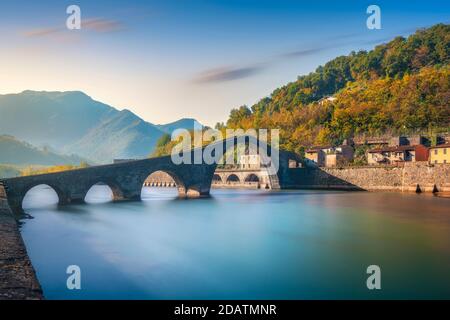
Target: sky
<point>166,60</point>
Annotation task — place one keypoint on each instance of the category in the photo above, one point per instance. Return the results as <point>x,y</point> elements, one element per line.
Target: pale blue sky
<point>194,58</point>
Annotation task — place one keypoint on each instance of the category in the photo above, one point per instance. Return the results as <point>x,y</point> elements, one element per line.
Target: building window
<point>435,161</point>
<point>445,160</point>
<point>435,151</point>
<point>445,150</point>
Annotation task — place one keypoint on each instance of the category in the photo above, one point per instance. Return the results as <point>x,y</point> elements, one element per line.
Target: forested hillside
<point>398,87</point>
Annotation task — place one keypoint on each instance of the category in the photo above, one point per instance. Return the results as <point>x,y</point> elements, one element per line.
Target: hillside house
<point>392,155</point>
<point>440,153</point>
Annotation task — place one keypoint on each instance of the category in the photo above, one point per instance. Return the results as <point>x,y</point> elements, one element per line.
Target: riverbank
<point>17,276</point>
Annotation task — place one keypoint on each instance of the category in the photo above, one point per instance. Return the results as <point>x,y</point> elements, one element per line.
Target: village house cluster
<point>384,150</point>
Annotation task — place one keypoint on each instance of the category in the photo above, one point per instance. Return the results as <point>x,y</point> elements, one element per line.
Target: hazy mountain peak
<point>74,123</point>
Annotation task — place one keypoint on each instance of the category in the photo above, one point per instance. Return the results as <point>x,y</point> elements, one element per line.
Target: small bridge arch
<point>251,178</point>
<point>233,178</point>
<point>112,185</point>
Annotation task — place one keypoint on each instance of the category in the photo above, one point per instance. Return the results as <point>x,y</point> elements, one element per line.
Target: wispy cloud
<point>41,32</point>
<point>102,25</point>
<point>224,74</point>
<point>98,24</point>
<point>302,52</point>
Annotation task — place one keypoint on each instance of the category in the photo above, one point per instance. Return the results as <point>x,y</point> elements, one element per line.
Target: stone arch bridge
<point>126,179</point>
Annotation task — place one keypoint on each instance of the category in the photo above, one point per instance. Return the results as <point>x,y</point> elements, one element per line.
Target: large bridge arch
<point>277,160</point>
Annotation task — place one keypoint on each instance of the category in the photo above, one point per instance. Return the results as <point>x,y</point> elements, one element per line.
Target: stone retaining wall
<point>17,277</point>
<point>410,177</point>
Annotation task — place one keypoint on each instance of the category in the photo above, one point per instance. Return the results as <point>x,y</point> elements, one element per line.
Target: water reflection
<point>242,244</point>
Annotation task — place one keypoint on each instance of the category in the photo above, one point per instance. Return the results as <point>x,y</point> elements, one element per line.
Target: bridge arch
<point>32,196</point>
<point>108,191</point>
<point>233,178</point>
<point>273,161</point>
<point>252,178</point>
<point>217,178</point>
<point>163,177</point>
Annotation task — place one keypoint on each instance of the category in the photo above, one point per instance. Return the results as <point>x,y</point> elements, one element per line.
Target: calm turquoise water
<point>242,245</point>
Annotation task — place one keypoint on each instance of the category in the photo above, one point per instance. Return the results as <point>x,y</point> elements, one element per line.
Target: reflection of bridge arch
<point>233,178</point>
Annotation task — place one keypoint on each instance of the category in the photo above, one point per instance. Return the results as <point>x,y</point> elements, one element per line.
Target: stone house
<point>395,154</point>
<point>328,156</point>
<point>316,155</point>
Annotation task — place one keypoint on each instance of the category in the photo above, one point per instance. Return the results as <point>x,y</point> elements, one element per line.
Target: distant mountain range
<point>73,123</point>
<point>21,153</point>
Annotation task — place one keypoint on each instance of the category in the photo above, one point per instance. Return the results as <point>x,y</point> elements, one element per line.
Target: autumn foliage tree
<point>399,87</point>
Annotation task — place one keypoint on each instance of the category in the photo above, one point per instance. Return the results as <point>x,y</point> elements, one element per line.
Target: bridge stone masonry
<point>241,178</point>
<point>126,179</point>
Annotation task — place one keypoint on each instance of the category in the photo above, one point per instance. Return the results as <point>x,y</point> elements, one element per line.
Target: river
<point>241,244</point>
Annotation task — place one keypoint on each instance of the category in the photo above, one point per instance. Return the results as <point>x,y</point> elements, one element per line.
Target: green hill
<point>18,153</point>
<point>401,86</point>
